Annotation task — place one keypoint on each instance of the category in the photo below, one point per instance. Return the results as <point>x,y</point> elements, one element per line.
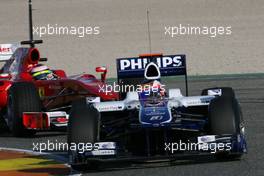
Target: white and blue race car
<point>156,124</point>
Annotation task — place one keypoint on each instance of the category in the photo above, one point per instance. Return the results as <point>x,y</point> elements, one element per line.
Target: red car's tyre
<point>22,97</point>
<point>3,125</point>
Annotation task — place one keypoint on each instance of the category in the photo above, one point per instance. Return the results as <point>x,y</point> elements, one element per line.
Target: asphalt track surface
<point>250,92</point>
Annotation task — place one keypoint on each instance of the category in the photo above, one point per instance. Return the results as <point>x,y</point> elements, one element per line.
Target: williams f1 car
<point>156,124</point>
<point>29,103</point>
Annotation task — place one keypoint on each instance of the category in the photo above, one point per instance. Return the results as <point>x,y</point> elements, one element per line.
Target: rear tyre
<point>3,125</point>
<point>22,97</point>
<point>225,117</point>
<point>226,91</point>
<point>83,127</point>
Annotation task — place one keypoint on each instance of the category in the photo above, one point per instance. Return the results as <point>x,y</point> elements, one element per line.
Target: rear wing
<point>130,71</point>
<point>7,50</point>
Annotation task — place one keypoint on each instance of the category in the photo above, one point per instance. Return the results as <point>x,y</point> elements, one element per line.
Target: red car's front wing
<point>44,120</point>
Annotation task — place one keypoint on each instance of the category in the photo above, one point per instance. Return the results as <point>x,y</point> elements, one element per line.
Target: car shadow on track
<point>119,166</point>
<point>6,133</point>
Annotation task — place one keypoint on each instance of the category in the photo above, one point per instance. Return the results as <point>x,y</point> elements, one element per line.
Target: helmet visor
<point>42,75</point>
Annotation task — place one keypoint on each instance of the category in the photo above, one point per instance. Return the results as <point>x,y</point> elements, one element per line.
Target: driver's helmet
<point>42,72</point>
<point>154,91</point>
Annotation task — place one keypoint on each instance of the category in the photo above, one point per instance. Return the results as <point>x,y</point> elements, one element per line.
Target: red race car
<point>34,97</point>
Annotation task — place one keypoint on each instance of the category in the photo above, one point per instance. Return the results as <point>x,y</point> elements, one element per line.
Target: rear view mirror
<point>5,76</point>
<point>103,71</point>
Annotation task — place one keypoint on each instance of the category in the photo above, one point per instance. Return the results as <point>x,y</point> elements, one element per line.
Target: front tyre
<point>83,127</point>
<point>225,118</point>
<point>22,97</point>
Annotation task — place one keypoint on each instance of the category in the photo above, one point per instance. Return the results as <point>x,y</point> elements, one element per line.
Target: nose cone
<point>152,71</point>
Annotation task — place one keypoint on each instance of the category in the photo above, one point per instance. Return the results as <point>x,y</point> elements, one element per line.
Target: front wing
<point>234,145</point>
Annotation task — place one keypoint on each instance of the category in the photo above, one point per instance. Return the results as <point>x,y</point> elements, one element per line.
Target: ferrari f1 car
<point>29,103</point>
<point>156,124</point>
